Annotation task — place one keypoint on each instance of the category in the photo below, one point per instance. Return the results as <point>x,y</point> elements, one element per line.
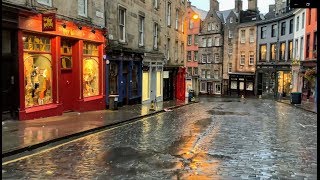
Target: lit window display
<point>37,70</point>
<point>66,54</point>
<point>284,83</point>
<point>38,79</point>
<point>90,70</point>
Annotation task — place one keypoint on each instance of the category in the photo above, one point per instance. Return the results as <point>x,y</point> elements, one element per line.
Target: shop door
<point>241,87</point>
<point>125,89</point>
<point>68,89</point>
<point>153,84</point>
<point>209,88</point>
<point>218,88</point>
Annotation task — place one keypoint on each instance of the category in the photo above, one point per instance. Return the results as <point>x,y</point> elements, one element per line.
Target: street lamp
<point>195,16</point>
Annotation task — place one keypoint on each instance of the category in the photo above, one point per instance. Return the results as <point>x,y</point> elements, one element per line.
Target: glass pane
<point>36,43</point>
<point>38,79</point>
<point>90,77</point>
<point>6,42</point>
<point>66,62</point>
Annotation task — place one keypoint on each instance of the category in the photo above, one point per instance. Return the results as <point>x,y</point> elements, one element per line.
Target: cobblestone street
<point>218,138</point>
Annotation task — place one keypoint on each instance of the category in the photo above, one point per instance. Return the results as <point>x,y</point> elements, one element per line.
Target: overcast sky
<point>263,5</point>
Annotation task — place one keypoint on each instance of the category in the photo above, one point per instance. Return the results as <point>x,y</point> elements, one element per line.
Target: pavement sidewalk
<point>20,136</point>
<point>308,106</point>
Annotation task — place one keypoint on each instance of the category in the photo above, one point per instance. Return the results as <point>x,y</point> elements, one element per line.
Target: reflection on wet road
<point>214,139</point>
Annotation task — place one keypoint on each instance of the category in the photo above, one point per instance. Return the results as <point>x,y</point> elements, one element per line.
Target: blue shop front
<point>124,77</point>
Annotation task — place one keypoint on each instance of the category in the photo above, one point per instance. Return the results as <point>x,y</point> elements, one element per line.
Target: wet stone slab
<point>251,139</point>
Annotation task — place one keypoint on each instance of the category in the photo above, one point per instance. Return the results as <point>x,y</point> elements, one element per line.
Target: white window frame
<point>208,58</point>
<point>85,14</point>
<point>169,14</point>
<point>209,41</point>
<point>251,35</point>
<point>177,19</point>
<point>243,36</point>
<point>189,55</point>
<point>251,58</point>
<point>203,74</point>
<point>122,9</point>
<point>230,34</point>
<point>203,58</point>
<point>216,74</point>
<point>217,41</point>
<point>45,2</point>
<point>189,42</point>
<point>204,42</point>
<point>141,31</point>
<point>230,67</point>
<point>195,55</point>
<point>216,57</point>
<point>196,39</point>
<point>208,74</point>
<point>209,27</point>
<point>155,4</point>
<point>155,35</point>
<point>242,58</point>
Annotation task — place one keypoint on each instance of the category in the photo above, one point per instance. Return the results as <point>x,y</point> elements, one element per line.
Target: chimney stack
<point>238,5</point>
<point>214,5</point>
<point>252,5</point>
<point>272,7</point>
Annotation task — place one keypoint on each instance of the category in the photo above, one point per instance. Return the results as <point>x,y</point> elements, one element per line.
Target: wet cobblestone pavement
<point>214,139</point>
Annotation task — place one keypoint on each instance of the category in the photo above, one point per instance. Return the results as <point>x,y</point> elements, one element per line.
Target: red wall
<point>193,31</point>
<point>310,29</point>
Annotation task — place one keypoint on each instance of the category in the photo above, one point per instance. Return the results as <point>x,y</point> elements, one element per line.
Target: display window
<point>113,79</point>
<point>37,70</point>
<point>66,55</point>
<point>90,70</point>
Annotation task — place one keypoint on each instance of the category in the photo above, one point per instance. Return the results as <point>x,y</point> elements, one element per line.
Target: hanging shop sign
<point>49,22</point>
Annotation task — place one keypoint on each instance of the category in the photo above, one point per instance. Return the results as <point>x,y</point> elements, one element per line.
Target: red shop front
<point>60,70</point>
<point>181,83</point>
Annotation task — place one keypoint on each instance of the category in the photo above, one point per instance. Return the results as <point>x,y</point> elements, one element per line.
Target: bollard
<point>260,96</point>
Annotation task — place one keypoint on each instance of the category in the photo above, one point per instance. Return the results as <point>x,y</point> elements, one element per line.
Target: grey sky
<point>263,5</point>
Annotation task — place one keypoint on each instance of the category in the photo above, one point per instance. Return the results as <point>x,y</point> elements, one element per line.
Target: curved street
<point>217,138</point>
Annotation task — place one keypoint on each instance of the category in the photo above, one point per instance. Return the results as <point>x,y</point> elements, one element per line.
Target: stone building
<point>53,56</point>
<point>211,51</point>
<point>274,54</point>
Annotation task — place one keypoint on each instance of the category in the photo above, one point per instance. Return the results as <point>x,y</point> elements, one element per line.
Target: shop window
<point>66,55</point>
<point>90,70</point>
<point>145,86</point>
<point>135,76</point>
<point>284,83</point>
<point>37,70</point>
<point>113,78</point>
<point>159,83</point>
<point>6,42</point>
<point>282,51</point>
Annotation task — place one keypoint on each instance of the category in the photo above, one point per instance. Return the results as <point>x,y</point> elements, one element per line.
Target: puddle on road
<point>215,112</point>
<point>201,125</point>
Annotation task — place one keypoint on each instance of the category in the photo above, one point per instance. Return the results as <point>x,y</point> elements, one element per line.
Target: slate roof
<point>200,12</point>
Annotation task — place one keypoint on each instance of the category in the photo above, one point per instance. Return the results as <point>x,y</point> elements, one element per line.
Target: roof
<point>200,12</point>
<point>223,15</point>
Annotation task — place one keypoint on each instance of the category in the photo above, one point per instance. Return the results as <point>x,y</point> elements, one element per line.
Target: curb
<point>297,107</point>
<point>84,133</point>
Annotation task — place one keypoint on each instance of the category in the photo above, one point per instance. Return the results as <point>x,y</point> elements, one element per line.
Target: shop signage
<point>49,22</point>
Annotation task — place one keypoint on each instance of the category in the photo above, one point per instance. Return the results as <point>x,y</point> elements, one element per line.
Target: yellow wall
<point>159,83</point>
<point>145,86</point>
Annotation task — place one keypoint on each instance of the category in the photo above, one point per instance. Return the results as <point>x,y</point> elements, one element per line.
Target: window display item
<point>90,77</point>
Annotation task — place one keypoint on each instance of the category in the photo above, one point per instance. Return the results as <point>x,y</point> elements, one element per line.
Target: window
<point>273,52</point>
<point>315,44</point>
<point>177,19</point>
<point>189,40</point>
<point>242,58</point>
<point>274,30</point>
<point>302,23</point>
<point>263,32</point>
<point>213,26</point>
<point>83,8</point>
<point>209,26</point>
<point>204,42</point>
<point>231,20</point>
<point>217,41</point>
<point>263,52</point>
<point>169,14</point>
<point>37,70</point>
<point>208,74</point>
<point>176,50</point>
<point>209,58</point>
<point>290,52</point>
<point>6,42</point>
<point>216,74</point>
<point>296,49</point>
<point>182,52</point>
<point>135,79</point>
<point>168,49</point>
<point>90,70</point>
<point>155,36</point>
<point>191,23</point>
<point>145,85</point>
<point>141,31</point>
<point>66,54</point>
<point>189,55</point>
<point>209,42</point>
<point>230,34</point>
<point>113,78</point>
<point>297,24</point>
<point>155,4</point>
<point>283,28</point>
<point>195,71</point>
<point>243,36</point>
<point>203,74</point>
<point>196,39</point>
<point>301,48</point>
<point>291,26</point>
<point>230,67</point>
<point>204,58</point>
<point>308,46</point>
<point>251,38</point>
<point>189,71</point>
<point>182,26</point>
<point>203,86</point>
<point>159,83</point>
<point>195,56</point>
<point>251,58</point>
<point>122,24</point>
<point>216,58</point>
<point>282,51</point>
<point>45,2</point>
